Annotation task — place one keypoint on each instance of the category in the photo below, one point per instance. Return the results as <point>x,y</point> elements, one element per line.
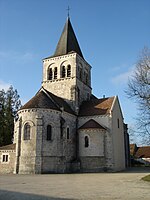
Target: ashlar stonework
<point>64,128</point>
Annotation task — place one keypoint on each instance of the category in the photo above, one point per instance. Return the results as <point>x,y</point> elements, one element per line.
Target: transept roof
<point>92,124</point>
<point>96,107</point>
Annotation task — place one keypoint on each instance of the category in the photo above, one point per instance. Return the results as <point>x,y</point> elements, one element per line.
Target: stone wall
<point>73,89</point>
<point>7,167</point>
<point>39,155</point>
<point>105,121</point>
<point>92,164</point>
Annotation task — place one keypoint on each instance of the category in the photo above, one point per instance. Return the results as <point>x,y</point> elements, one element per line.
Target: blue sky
<point>111,34</point>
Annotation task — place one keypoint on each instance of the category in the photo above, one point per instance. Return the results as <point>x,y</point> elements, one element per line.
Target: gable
<point>92,124</point>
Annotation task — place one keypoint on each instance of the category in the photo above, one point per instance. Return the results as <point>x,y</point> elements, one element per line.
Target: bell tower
<point>66,74</point>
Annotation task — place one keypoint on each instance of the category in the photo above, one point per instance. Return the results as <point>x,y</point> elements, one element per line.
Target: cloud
<point>4,85</point>
<point>123,77</point>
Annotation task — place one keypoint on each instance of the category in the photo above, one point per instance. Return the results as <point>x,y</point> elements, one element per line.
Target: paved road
<point>98,186</point>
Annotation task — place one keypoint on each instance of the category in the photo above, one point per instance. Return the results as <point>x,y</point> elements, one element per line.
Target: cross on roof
<point>68,9</point>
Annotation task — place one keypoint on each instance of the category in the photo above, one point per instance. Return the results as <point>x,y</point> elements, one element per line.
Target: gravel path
<point>125,185</point>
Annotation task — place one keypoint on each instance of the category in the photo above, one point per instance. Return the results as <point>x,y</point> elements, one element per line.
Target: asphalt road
<point>93,186</point>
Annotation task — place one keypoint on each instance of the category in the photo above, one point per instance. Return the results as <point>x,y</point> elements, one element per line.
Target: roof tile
<point>92,124</point>
<point>96,107</point>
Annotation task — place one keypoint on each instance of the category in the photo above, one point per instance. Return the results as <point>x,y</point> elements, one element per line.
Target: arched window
<point>68,70</point>
<point>68,133</point>
<point>50,74</point>
<point>63,72</point>
<point>27,130</point>
<point>86,141</point>
<point>49,132</point>
<point>55,73</point>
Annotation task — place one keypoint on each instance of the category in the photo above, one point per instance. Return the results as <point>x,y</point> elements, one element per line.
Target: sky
<point>111,34</point>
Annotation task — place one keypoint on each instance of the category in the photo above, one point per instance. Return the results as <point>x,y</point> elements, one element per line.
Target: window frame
<point>27,132</point>
<point>68,70</point>
<point>86,141</point>
<point>49,132</point>
<point>50,74</point>
<point>68,133</point>
<point>5,158</point>
<point>63,72</point>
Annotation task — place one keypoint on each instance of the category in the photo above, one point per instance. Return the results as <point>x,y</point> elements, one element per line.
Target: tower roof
<point>68,41</point>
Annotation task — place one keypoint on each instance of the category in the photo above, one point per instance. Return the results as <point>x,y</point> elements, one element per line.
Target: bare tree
<point>139,90</point>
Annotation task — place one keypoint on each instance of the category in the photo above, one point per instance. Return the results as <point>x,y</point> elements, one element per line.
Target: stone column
<point>18,126</point>
<point>39,142</point>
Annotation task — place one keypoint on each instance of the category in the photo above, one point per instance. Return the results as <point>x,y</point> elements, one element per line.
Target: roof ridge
<point>46,92</point>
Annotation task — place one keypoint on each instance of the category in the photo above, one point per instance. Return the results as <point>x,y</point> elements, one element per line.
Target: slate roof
<point>92,124</point>
<point>47,100</point>
<point>8,147</point>
<point>96,107</point>
<point>143,152</point>
<point>68,42</point>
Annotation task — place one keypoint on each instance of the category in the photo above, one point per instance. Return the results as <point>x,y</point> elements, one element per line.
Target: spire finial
<point>68,9</point>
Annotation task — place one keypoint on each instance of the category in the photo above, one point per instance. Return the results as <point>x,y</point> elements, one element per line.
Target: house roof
<point>8,147</point>
<point>143,152</point>
<point>96,107</point>
<point>47,100</point>
<point>92,124</point>
<point>68,42</point>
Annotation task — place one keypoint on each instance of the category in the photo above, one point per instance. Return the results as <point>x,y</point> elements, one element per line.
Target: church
<point>64,128</point>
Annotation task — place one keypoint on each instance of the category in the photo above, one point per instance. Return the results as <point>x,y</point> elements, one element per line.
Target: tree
<point>139,90</point>
<point>10,103</point>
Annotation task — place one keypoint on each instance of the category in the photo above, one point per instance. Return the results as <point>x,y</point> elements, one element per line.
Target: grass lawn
<point>146,178</point>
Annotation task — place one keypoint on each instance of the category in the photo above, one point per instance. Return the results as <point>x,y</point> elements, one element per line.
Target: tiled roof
<point>8,147</point>
<point>92,124</point>
<point>143,152</point>
<point>47,100</point>
<point>96,107</point>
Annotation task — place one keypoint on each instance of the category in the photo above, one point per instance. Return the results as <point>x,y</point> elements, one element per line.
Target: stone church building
<point>64,128</point>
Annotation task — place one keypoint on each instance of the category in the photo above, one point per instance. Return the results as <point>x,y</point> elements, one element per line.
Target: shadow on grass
<point>9,195</point>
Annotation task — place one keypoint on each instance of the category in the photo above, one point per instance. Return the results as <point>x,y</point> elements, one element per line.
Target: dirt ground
<point>93,186</point>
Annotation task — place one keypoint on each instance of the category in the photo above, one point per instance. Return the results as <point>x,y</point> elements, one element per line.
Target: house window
<point>118,123</point>
<point>68,71</point>
<point>27,130</point>
<point>50,74</point>
<point>49,132</point>
<point>86,141</point>
<point>55,73</point>
<point>63,72</point>
<point>68,133</point>
<point>5,158</point>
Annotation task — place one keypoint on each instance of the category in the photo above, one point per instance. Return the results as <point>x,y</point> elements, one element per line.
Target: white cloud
<point>123,77</point>
<point>4,85</point>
